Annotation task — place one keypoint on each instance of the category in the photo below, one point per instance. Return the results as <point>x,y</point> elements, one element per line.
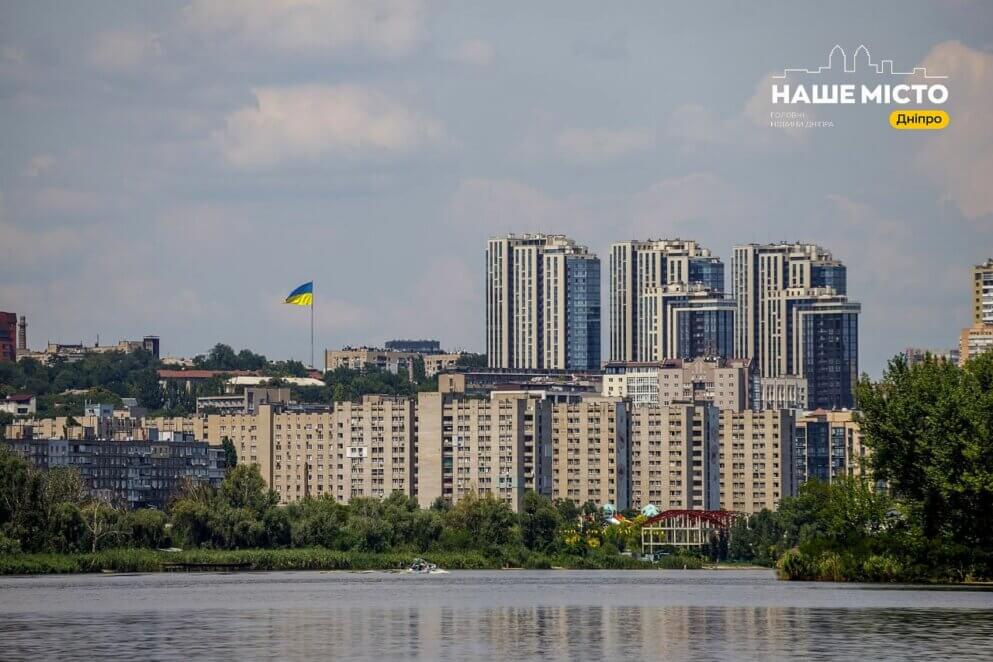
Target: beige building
<point>675,457</point>
<point>982,293</point>
<point>974,341</point>
<point>636,267</point>
<point>366,357</point>
<point>436,363</point>
<point>374,447</point>
<point>590,451</point>
<point>828,445</point>
<point>757,467</point>
<point>245,402</point>
<point>467,445</point>
<point>724,382</point>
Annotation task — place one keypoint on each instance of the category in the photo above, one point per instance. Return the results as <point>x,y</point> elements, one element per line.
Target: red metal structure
<point>721,519</point>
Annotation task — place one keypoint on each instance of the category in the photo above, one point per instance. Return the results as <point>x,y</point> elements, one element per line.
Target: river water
<point>512,615</point>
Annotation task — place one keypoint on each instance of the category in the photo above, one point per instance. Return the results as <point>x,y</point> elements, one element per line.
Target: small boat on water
<point>422,567</point>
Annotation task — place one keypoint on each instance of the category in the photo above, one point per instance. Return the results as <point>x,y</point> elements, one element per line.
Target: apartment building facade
<point>828,445</point>
<point>756,459</point>
<point>590,451</point>
<point>675,456</point>
<point>723,382</point>
<point>542,303</point>
<point>474,446</point>
<point>794,318</point>
<point>636,267</point>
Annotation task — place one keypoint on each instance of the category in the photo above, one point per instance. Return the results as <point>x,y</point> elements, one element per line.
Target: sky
<point>177,168</point>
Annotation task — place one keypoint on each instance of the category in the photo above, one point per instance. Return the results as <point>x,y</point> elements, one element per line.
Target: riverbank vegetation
<point>49,524</point>
<point>929,431</point>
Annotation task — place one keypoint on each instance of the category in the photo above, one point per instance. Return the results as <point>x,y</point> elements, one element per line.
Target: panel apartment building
<point>589,442</point>
<point>542,303</point>
<point>468,445</point>
<point>692,456</point>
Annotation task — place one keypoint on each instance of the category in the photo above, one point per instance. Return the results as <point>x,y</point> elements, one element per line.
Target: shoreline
<point>319,559</point>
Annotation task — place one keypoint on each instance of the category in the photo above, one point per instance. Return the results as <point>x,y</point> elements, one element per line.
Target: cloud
<point>472,52</point>
<point>310,122</point>
<point>38,165</point>
<point>500,206</point>
<point>382,27</point>
<point>591,146</point>
<point>693,123</point>
<point>698,205</point>
<point>124,52</point>
<point>959,159</point>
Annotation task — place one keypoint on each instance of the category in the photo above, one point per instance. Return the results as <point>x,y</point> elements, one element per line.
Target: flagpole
<point>311,329</point>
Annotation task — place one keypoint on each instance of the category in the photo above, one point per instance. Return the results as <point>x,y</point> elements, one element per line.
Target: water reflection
<point>555,633</point>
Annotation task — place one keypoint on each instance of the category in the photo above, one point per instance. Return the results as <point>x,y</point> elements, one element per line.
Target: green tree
<point>230,453</point>
<point>146,528</point>
<point>146,388</point>
<point>244,488</point>
<point>539,520</point>
<point>482,521</point>
<point>930,430</point>
<point>6,418</point>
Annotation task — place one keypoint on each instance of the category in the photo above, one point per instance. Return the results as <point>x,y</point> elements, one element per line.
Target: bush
<point>796,565</point>
<point>680,562</point>
<point>882,568</point>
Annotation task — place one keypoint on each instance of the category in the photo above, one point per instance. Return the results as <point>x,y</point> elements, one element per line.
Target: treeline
<point>100,377</point>
<point>930,431</point>
<point>109,377</point>
<point>49,512</point>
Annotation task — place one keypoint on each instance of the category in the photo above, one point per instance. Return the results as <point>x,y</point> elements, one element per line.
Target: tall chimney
<point>22,335</point>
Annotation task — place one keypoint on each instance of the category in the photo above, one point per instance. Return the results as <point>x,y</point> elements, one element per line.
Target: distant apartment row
<point>584,448</point>
<point>787,309</point>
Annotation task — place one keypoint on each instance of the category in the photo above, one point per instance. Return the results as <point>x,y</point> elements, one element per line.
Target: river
<point>513,615</point>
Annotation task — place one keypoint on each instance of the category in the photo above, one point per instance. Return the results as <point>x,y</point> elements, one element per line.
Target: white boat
<point>422,567</point>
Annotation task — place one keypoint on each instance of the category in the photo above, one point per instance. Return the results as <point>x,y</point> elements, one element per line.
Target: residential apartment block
<point>828,445</point>
<point>542,303</point>
<point>638,267</point>
<point>685,322</point>
<point>756,459</point>
<point>675,457</point>
<point>590,451</point>
<point>794,318</point>
<point>468,445</point>
<point>982,293</point>
<point>128,473</point>
<point>723,382</point>
<point>360,358</point>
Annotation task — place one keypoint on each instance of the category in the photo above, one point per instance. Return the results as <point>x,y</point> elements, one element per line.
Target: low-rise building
<point>724,382</point>
<point>246,401</point>
<point>21,404</point>
<point>437,363</point>
<point>786,392</point>
<point>361,358</point>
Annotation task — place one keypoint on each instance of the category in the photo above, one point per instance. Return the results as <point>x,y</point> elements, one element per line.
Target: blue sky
<point>177,168</point>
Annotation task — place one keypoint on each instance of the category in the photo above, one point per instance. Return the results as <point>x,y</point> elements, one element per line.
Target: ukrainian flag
<point>302,296</point>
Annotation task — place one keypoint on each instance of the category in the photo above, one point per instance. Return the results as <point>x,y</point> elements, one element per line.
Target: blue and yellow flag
<point>302,296</point>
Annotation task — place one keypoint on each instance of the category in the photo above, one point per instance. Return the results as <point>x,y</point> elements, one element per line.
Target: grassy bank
<point>830,566</point>
<point>143,560</point>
